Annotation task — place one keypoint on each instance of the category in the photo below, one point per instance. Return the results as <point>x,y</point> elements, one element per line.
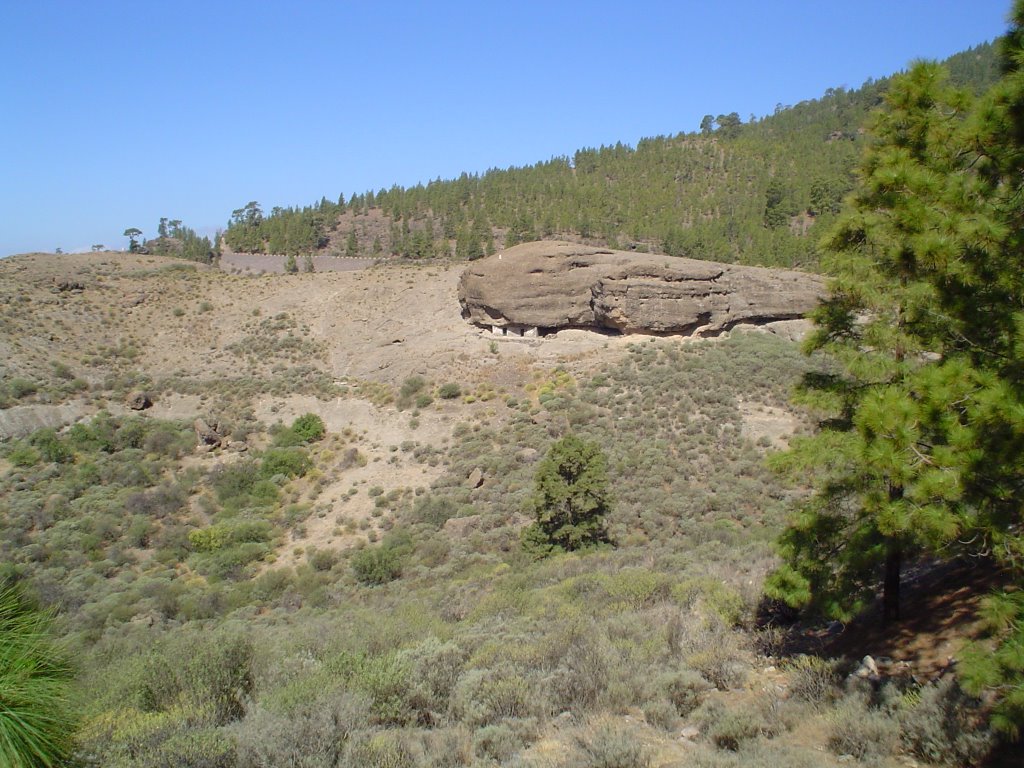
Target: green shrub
<point>435,667</point>
<point>309,427</point>
<point>290,462</point>
<point>131,433</point>
<point>311,733</point>
<point>209,539</point>
<point>730,727</point>
<point>19,388</point>
<point>167,439</point>
<point>210,673</point>
<point>234,480</point>
<point>584,670</point>
<point>62,370</point>
<point>230,561</point>
<point>386,682</point>
<point>378,750</point>
<point>660,713</point>
<point>449,391</point>
<point>377,565</point>
<point>866,733</point>
<point>222,535</point>
<point>50,446</point>
<point>284,437</point>
<point>686,690</point>
<point>485,696</point>
<point>98,435</point>
<point>411,386</point>
<point>23,455</point>
<point>715,652</point>
<point>498,742</point>
<point>322,559</point>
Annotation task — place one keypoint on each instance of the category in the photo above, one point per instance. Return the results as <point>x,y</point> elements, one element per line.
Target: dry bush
<point>685,689</point>
<point>718,653</point>
<point>943,725</point>
<point>733,727</point>
<point>487,696</point>
<point>868,734</point>
<point>581,675</point>
<point>378,749</point>
<point>313,734</point>
<point>813,680</point>
<point>661,713</point>
<point>609,745</point>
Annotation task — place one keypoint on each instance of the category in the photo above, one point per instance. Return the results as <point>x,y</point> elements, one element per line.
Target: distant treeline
<point>753,193</point>
<point>175,239</point>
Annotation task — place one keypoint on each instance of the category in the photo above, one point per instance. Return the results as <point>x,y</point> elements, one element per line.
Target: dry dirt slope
<point>170,317</point>
<point>85,329</point>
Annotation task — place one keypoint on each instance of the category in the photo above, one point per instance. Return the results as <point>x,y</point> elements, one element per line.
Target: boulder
<point>690,733</point>
<point>460,527</point>
<point>551,285</point>
<point>208,435</point>
<point>475,479</point>
<point>134,299</point>
<point>139,401</point>
<point>65,284</point>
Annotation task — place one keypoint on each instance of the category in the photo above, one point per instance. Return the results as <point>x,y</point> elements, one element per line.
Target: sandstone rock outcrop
<point>139,401</point>
<point>544,286</point>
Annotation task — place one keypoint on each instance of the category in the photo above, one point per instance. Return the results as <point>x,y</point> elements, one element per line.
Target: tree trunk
<point>893,562</point>
<point>891,586</point>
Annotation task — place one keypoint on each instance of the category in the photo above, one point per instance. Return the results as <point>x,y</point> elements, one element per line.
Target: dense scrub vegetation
<point>759,192</point>
<point>444,643</point>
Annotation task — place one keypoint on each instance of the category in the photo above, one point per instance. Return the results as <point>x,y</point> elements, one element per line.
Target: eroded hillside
<point>361,597</point>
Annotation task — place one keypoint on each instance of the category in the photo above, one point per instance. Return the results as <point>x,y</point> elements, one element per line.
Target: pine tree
<point>571,498</point>
<point>35,718</point>
<point>925,332</point>
<point>887,480</point>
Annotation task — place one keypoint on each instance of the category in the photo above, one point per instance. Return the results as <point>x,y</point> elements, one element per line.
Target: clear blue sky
<point>113,114</point>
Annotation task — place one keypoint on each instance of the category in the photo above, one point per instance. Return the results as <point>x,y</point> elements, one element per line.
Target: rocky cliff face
<point>550,285</point>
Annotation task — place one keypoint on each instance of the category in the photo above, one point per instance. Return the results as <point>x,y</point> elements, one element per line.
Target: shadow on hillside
<point>939,615</point>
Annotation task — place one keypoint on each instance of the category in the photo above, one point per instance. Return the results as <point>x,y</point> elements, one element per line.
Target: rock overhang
<point>552,285</point>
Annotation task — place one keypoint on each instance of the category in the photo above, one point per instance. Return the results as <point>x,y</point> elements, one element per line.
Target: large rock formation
<point>544,286</point>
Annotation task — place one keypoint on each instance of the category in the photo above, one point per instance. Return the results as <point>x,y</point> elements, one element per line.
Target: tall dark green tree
<point>920,450</point>
<point>887,485</point>
<point>571,498</point>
